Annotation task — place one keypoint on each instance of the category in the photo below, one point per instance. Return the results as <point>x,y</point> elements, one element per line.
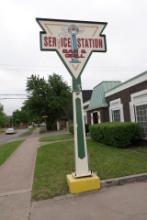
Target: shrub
<point>120,134</point>
<point>71,128</point>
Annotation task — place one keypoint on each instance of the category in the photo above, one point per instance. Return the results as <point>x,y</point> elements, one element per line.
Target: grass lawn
<point>54,161</point>
<point>2,130</point>
<point>56,137</point>
<point>7,149</point>
<point>27,133</point>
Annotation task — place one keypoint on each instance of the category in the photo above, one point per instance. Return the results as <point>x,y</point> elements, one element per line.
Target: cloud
<point>20,55</point>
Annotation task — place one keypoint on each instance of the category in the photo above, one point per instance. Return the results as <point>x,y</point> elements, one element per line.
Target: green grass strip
<point>27,133</point>
<point>55,161</point>
<point>56,138</point>
<point>7,149</point>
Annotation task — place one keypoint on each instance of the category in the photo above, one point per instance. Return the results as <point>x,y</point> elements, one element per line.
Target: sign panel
<point>74,41</point>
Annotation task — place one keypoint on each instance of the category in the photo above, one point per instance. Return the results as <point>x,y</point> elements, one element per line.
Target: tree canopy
<point>49,99</point>
<point>3,117</point>
<point>20,116</point>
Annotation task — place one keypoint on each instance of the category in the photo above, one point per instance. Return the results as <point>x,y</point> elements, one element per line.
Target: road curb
<point>123,180</point>
<point>104,184</point>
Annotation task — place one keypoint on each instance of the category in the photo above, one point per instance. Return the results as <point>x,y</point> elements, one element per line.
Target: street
<point>8,137</point>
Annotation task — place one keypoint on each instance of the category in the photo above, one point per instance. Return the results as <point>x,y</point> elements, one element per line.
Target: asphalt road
<point>8,137</point>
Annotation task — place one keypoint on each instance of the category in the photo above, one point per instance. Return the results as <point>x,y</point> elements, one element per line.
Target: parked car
<point>10,131</point>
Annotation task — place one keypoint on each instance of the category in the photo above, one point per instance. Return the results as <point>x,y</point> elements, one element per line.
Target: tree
<point>20,116</point>
<point>51,98</point>
<point>3,117</point>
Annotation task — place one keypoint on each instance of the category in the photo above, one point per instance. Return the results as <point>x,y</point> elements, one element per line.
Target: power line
<point>12,98</point>
<point>4,96</point>
<point>8,94</point>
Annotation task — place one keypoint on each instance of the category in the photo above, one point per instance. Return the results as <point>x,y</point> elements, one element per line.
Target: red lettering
<point>68,55</point>
<point>82,39</point>
<point>90,42</point>
<point>79,42</point>
<point>83,51</point>
<point>65,42</point>
<point>45,41</point>
<point>54,42</point>
<point>64,51</point>
<point>49,41</point>
<point>100,43</point>
<point>86,43</point>
<point>69,42</point>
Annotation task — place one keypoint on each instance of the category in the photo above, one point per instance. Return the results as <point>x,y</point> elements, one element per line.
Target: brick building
<point>98,107</point>
<point>125,101</point>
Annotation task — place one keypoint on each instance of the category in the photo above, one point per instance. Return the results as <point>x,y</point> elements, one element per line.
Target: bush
<point>51,126</point>
<point>120,134</point>
<point>71,128</point>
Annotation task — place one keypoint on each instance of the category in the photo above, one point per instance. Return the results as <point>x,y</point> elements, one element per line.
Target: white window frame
<point>116,105</point>
<point>85,116</point>
<point>138,98</point>
<point>98,115</point>
<point>112,114</point>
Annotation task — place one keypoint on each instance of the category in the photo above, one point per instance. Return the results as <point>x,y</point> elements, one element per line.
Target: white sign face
<point>74,41</point>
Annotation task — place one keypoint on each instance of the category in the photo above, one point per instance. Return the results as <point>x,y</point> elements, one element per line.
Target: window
<point>116,115</point>
<point>138,110</point>
<point>116,110</point>
<point>141,118</point>
<point>95,117</point>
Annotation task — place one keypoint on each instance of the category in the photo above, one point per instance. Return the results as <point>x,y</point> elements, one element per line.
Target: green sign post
<point>74,42</point>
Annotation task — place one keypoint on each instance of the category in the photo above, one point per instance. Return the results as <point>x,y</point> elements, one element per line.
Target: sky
<point>20,54</point>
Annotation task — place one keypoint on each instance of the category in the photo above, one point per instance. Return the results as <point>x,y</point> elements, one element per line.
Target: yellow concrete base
<point>78,185</point>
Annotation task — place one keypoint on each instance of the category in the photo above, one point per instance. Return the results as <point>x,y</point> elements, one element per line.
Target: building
<point>97,111</point>
<point>116,101</point>
<point>128,102</point>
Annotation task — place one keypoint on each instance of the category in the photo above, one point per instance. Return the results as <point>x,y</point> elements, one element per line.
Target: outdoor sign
<point>74,41</point>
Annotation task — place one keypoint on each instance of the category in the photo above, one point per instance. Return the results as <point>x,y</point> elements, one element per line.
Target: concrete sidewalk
<point>16,177</point>
<point>115,203</point>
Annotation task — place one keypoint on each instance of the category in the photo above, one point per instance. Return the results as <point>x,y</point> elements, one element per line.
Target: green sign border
<point>71,21</point>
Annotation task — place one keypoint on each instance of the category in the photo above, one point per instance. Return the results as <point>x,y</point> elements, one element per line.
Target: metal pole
<point>81,157</point>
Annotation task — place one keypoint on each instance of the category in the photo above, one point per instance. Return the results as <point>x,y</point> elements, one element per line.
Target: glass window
<point>95,117</point>
<point>141,117</point>
<point>116,115</point>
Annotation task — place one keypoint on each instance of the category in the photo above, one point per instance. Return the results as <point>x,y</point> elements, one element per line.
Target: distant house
<point>116,101</point>
<point>97,111</point>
